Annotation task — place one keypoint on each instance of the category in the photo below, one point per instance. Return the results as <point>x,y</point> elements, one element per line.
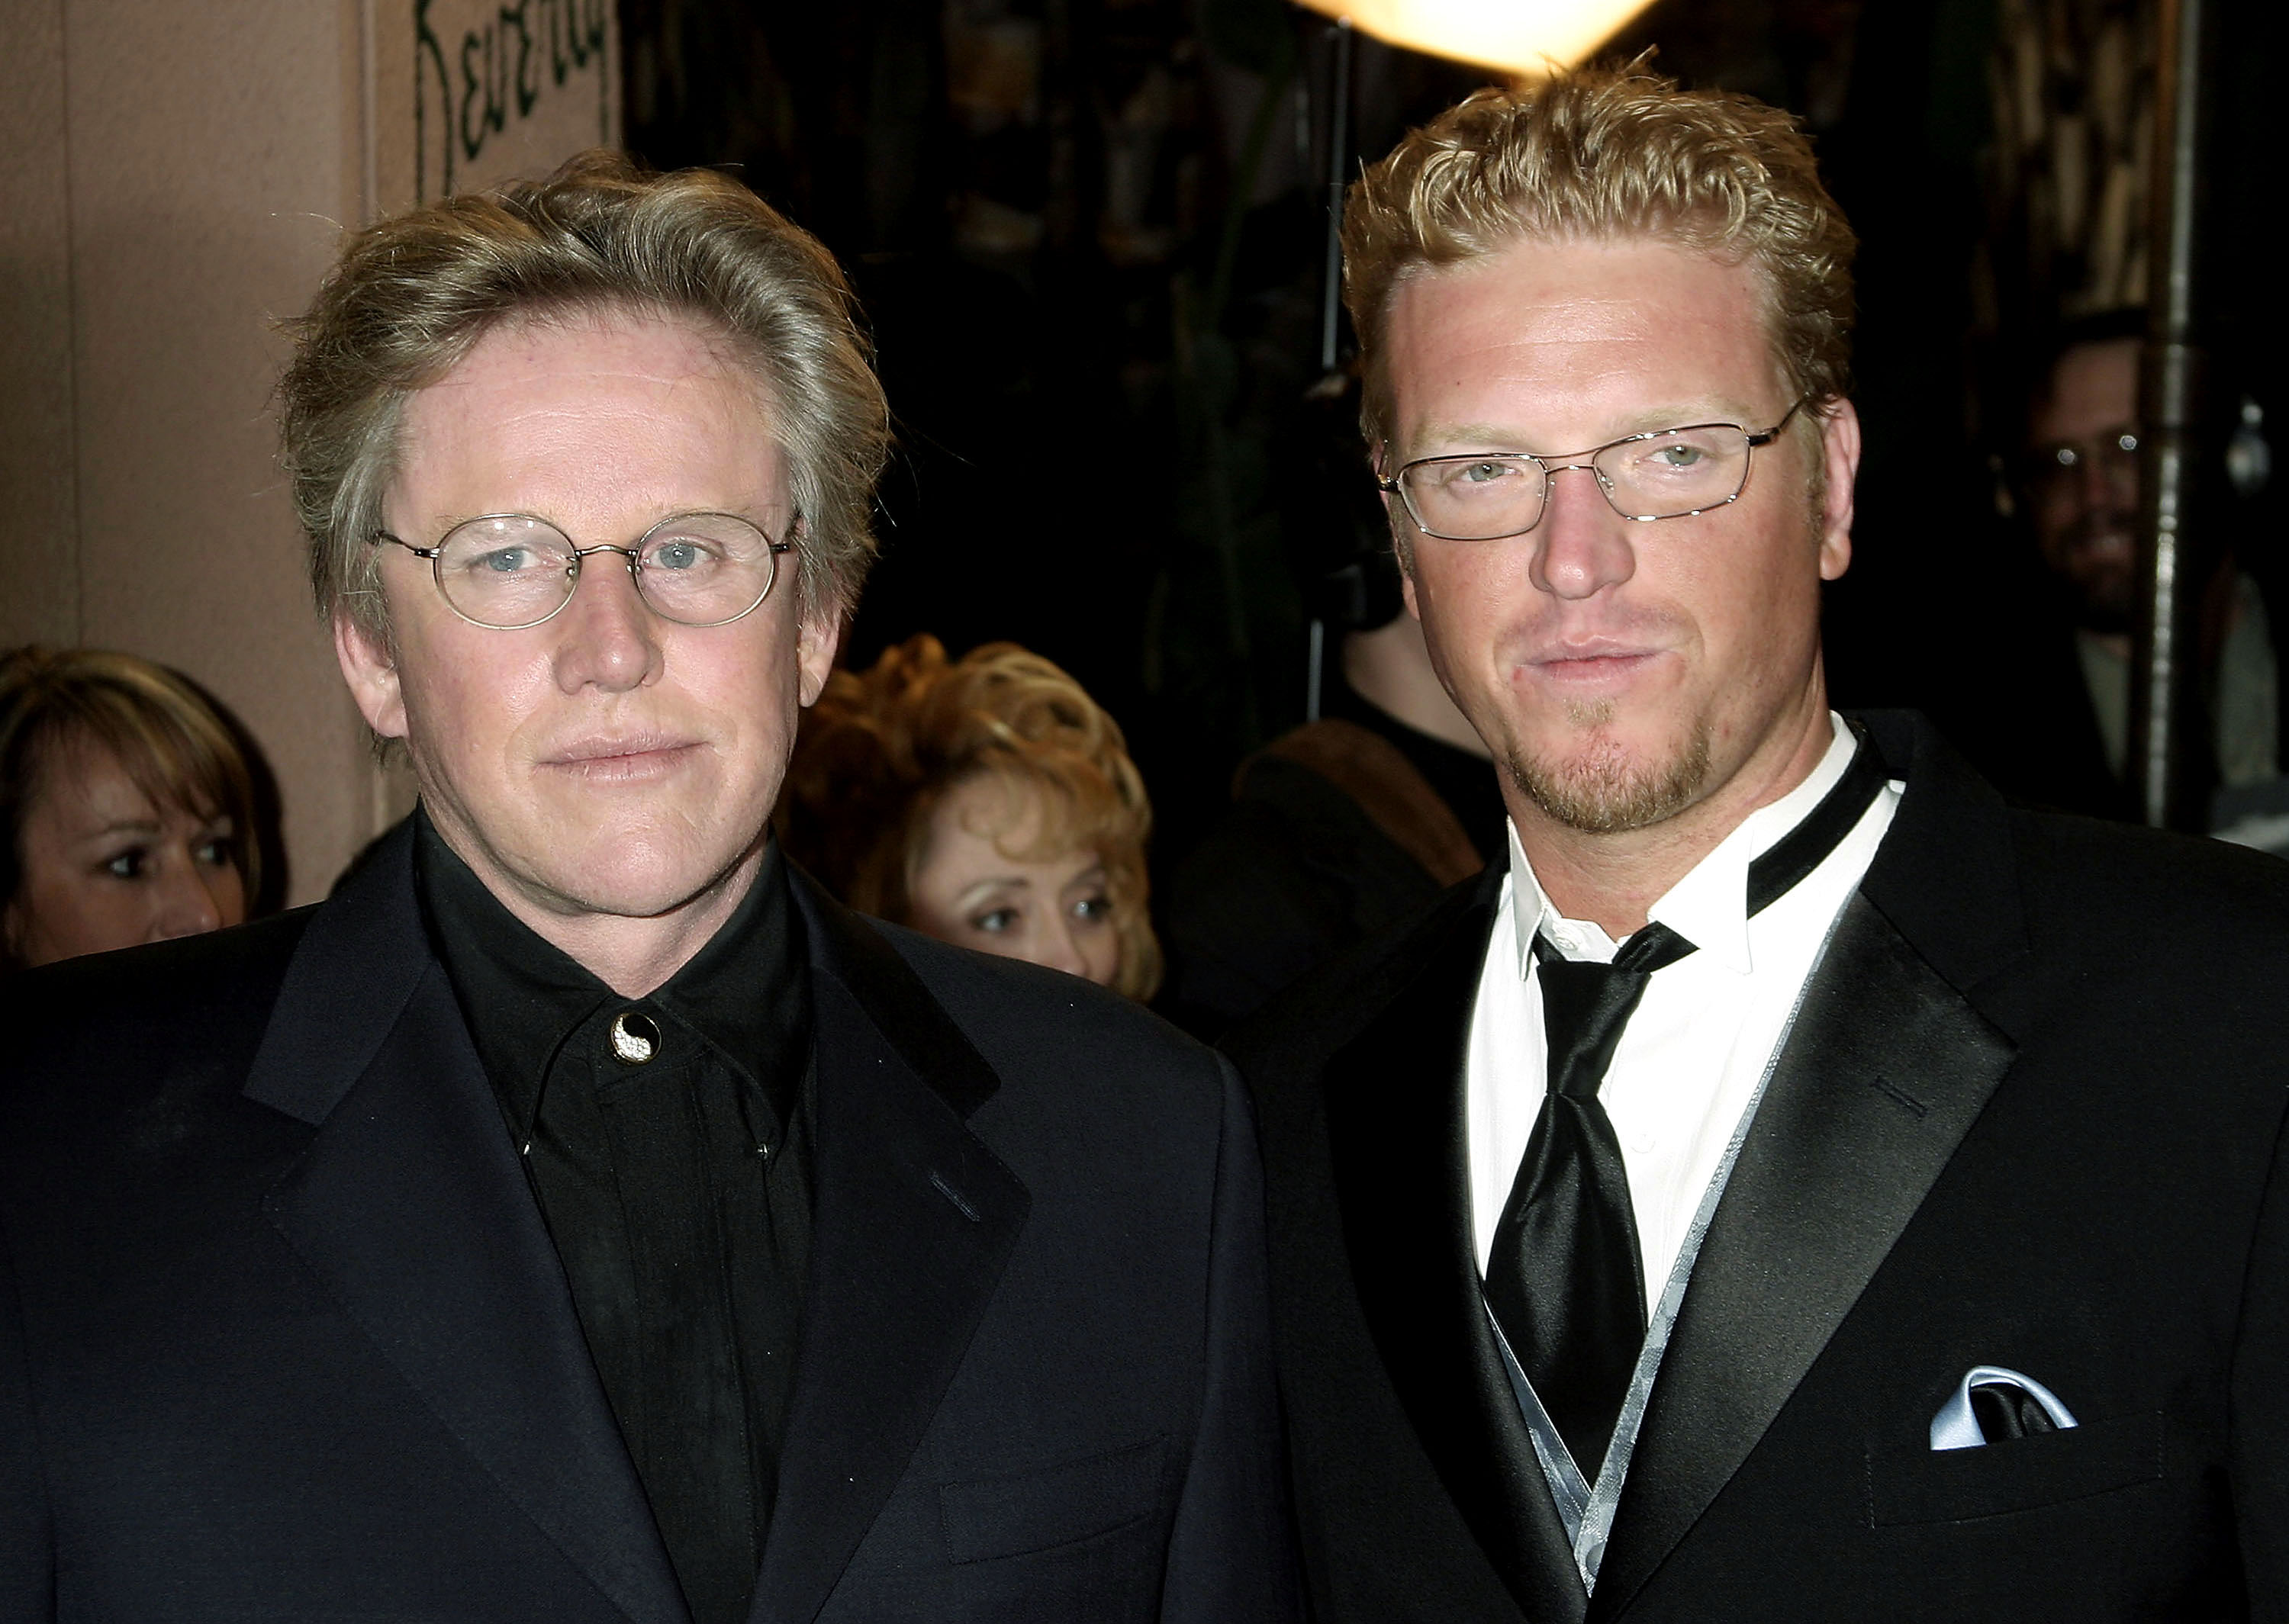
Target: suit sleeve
<point>2261,1406</point>
<point>27,1563</point>
<point>1232,1554</point>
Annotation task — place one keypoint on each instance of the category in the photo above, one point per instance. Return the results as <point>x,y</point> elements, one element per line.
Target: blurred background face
<point>105,866</point>
<point>968,888</point>
<point>2085,479</point>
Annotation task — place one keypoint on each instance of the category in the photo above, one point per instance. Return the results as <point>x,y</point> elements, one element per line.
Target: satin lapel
<point>1398,1140</point>
<point>915,1220</point>
<point>1886,1068</point>
<point>410,1207</point>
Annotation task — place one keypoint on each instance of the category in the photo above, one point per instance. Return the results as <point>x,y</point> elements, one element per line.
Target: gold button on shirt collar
<point>635,1037</point>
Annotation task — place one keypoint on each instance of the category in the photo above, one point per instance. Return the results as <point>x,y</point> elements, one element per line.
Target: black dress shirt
<point>1468,783</point>
<point>667,1142</point>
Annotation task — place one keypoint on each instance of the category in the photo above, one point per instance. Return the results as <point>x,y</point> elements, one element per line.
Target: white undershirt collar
<point>1710,906</point>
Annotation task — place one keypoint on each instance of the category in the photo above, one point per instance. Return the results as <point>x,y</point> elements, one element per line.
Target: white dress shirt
<point>1696,1049</point>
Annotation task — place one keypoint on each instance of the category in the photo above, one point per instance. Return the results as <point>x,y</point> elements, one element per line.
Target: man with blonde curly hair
<point>1768,1193</point>
<point>581,1216</point>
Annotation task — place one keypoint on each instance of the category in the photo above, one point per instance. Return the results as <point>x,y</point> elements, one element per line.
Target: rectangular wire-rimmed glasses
<point>1662,473</point>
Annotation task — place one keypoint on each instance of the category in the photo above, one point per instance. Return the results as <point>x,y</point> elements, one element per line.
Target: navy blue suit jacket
<point>282,1336</point>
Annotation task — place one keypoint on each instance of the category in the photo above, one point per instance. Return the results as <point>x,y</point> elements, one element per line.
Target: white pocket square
<point>1956,1424</point>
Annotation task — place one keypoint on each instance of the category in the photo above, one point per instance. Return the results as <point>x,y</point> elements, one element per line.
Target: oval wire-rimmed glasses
<point>1662,473</point>
<point>696,569</point>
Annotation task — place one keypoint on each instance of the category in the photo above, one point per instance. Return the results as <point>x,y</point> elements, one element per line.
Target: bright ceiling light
<point>1528,38</point>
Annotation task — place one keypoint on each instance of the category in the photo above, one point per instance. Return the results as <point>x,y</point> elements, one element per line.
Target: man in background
<point>2080,481</point>
<point>1339,829</point>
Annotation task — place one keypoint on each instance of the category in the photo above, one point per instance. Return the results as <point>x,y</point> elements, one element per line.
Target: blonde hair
<point>412,296</point>
<point>882,747</point>
<point>170,741</point>
<point>1603,154</point>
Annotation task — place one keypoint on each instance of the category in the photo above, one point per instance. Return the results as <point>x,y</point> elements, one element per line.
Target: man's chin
<point>1602,786</point>
<point>626,880</point>
<point>2110,609</point>
<point>643,893</point>
<point>2104,582</point>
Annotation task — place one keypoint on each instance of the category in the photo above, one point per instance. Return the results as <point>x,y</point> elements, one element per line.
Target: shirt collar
<point>1710,906</point>
<point>743,994</point>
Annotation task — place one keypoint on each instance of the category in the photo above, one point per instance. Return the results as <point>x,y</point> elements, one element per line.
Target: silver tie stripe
<point>1586,1508</point>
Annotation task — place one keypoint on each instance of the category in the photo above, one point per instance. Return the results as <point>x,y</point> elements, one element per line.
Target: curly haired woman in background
<point>987,802</point>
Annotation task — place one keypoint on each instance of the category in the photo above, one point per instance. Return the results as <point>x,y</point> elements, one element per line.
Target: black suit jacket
<point>286,1338</point>
<point>2030,1114</point>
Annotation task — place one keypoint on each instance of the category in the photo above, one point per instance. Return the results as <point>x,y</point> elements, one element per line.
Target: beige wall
<point>174,175</point>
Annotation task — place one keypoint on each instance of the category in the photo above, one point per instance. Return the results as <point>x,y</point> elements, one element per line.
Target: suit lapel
<point>916,1219</point>
<point>1398,1142</point>
<point>1886,1069</point>
<point>412,1208</point>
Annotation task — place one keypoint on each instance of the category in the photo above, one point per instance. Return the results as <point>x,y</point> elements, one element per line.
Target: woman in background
<point>126,808</point>
<point>987,802</point>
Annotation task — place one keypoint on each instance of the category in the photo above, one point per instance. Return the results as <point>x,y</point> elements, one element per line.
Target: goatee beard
<point>1602,791</point>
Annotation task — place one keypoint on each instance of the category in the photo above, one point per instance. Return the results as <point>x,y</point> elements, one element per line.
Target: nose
<point>183,904</point>
<point>2108,482</point>
<point>608,637</point>
<point>1581,546</point>
<point>1056,948</point>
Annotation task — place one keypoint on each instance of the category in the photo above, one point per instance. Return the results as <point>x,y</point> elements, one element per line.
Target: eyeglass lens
<point>513,571</point>
<point>1659,476</point>
<point>2113,457</point>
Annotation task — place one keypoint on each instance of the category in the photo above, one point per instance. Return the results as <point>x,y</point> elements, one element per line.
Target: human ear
<point>1840,447</point>
<point>818,634</point>
<point>370,669</point>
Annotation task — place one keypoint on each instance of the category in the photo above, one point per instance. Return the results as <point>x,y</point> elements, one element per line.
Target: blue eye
<point>674,555</point>
<point>127,865</point>
<point>505,561</point>
<point>995,921</point>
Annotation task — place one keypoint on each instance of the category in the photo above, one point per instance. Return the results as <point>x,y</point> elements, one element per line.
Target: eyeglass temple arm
<point>1774,432</point>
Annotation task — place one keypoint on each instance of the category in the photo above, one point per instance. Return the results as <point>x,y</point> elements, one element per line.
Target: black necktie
<point>1565,1279</point>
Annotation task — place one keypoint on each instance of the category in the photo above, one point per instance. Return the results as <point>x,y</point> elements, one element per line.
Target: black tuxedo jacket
<point>286,1338</point>
<point>2030,1115</point>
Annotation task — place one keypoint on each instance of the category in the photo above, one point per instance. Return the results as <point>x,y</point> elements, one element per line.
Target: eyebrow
<point>133,825</point>
<point>1647,422</point>
<point>978,891</point>
<point>219,821</point>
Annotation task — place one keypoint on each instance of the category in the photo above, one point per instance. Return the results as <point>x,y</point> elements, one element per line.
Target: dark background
<point>1089,236</point>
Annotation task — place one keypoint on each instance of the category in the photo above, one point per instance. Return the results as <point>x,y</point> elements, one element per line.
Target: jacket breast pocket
<point>1912,1485</point>
<point>1047,1506</point>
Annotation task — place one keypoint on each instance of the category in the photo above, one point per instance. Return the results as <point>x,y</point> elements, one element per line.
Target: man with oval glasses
<point>1794,1185</point>
<point>580,1216</point>
<point>2078,482</point>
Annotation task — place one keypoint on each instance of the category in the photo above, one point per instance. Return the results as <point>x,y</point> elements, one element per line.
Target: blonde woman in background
<point>126,808</point>
<point>987,802</point>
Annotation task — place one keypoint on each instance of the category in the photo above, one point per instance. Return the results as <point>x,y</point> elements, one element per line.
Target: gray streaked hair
<point>412,296</point>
